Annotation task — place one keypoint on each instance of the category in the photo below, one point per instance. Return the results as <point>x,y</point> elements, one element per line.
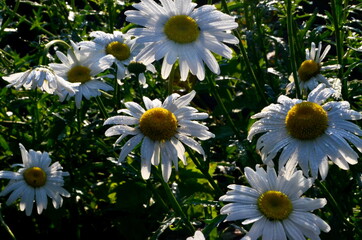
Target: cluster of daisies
<point>304,135</point>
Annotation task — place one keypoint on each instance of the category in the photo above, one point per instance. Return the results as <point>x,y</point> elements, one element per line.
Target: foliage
<point>110,200</point>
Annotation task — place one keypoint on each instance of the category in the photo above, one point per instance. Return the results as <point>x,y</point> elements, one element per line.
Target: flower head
<point>309,72</point>
<point>177,30</point>
<point>120,48</point>
<point>162,128</point>
<point>274,205</point>
<point>42,77</point>
<point>34,181</point>
<point>78,67</point>
<point>308,132</point>
<point>138,69</point>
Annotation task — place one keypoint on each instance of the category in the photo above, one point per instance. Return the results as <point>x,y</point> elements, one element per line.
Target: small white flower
<point>120,48</point>
<point>309,72</point>
<point>198,236</point>
<point>274,205</point>
<point>162,128</point>
<point>78,67</point>
<point>176,30</point>
<point>42,77</point>
<point>138,70</point>
<point>308,132</point>
<point>35,181</point>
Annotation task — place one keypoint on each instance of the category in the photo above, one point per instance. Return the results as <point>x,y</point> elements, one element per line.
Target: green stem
<point>13,13</point>
<point>110,14</point>
<point>47,47</point>
<point>205,171</point>
<point>291,47</point>
<point>101,107</point>
<point>246,60</point>
<point>339,43</point>
<point>6,226</point>
<point>171,79</point>
<point>174,203</point>
<point>334,203</point>
<point>10,18</point>
<point>215,93</point>
<point>117,91</point>
<point>37,133</point>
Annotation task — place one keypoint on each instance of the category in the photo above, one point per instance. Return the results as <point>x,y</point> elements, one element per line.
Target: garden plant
<point>180,119</point>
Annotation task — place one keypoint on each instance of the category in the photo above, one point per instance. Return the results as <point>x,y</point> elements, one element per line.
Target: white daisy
<point>78,67</point>
<point>309,72</point>
<point>198,236</point>
<point>35,181</point>
<point>178,30</point>
<point>308,132</point>
<point>42,77</point>
<point>274,205</point>
<point>162,128</point>
<point>120,47</point>
<point>138,70</point>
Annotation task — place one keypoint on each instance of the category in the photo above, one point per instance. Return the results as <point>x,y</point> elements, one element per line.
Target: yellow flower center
<point>159,124</point>
<point>275,205</point>
<point>306,121</point>
<point>181,29</point>
<point>79,74</point>
<point>119,50</point>
<point>308,69</point>
<point>35,177</point>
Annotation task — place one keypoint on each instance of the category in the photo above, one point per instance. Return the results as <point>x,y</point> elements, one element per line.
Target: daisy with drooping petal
<point>35,181</point>
<point>308,132</point>
<point>274,205</point>
<point>309,72</point>
<point>78,67</point>
<point>42,77</point>
<point>198,236</point>
<point>162,128</point>
<point>139,69</point>
<point>176,30</point>
<point>120,47</point>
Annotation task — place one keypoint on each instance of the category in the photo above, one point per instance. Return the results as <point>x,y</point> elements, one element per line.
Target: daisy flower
<point>178,30</point>
<point>42,77</point>
<point>138,70</point>
<point>78,67</point>
<point>198,236</point>
<point>34,181</point>
<point>309,72</point>
<point>162,128</point>
<point>274,205</point>
<point>308,132</point>
<point>120,47</point>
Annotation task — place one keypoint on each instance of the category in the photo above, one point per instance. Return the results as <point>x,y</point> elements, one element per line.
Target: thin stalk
<point>36,115</point>
<point>174,203</point>
<point>334,203</point>
<point>171,79</point>
<point>10,18</point>
<point>291,47</point>
<point>117,90</point>
<point>6,226</point>
<point>101,107</point>
<point>246,60</point>
<point>78,113</point>
<point>205,171</point>
<point>339,43</point>
<point>110,14</point>
<point>47,47</point>
<point>13,13</point>
<point>215,93</point>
